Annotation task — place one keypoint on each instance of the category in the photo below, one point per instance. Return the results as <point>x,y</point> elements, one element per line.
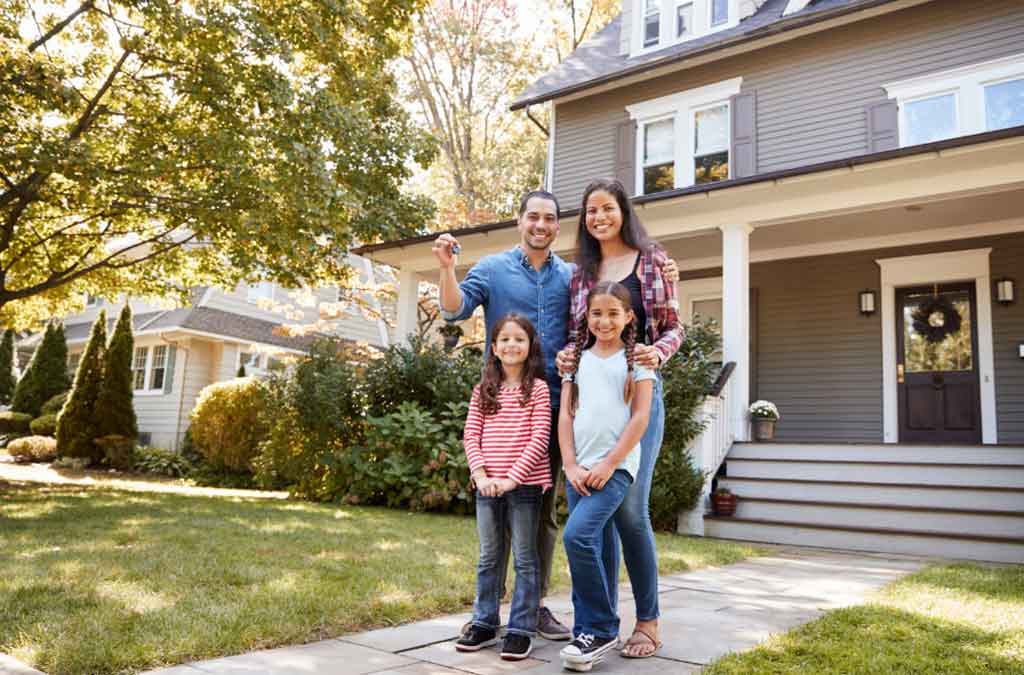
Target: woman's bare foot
<point>644,641</point>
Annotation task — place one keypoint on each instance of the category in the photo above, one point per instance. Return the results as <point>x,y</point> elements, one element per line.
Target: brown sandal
<point>632,642</point>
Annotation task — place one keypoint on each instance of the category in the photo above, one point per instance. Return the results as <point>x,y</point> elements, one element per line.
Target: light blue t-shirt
<point>602,415</point>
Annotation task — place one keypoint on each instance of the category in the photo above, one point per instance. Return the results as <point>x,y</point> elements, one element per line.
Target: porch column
<point>408,304</point>
<point>736,321</point>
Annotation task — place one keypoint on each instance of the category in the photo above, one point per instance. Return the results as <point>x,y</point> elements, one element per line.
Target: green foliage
<point>7,380</point>
<point>14,422</point>
<point>161,462</point>
<point>413,458</point>
<point>33,448</point>
<point>46,374</point>
<point>44,426</point>
<point>319,411</point>
<point>76,423</point>
<point>118,451</point>
<point>116,413</point>
<point>229,421</point>
<point>266,130</point>
<point>54,405</point>
<point>687,377</point>
<point>241,371</point>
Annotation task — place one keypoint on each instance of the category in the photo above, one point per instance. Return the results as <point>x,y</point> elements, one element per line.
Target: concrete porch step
<point>911,494</point>
<point>925,473</point>
<point>931,544</point>
<point>887,516</point>
<point>914,454</point>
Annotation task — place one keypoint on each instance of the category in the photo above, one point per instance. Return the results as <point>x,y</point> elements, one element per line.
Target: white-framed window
<point>149,369</point>
<point>260,290</point>
<point>702,297</point>
<point>73,360</point>
<point>970,100</point>
<point>684,139</point>
<point>662,23</point>
<point>92,301</point>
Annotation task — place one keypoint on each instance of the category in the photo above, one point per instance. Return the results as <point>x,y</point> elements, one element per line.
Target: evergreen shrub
<point>229,422</point>
<point>114,402</point>
<point>7,379</point>
<point>33,448</point>
<point>15,422</point>
<point>54,405</point>
<point>45,425</point>
<point>118,451</point>
<point>46,374</point>
<point>76,423</point>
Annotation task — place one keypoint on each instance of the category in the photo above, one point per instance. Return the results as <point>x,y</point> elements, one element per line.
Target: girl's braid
<point>581,341</point>
<point>629,338</point>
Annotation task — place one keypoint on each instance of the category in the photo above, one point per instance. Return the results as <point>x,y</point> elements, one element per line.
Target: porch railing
<point>710,448</point>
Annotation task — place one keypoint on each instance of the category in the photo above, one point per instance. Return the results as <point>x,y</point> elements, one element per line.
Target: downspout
<point>543,129</point>
<point>549,163</point>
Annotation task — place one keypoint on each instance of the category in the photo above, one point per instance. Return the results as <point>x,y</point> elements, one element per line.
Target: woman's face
<point>604,217</point>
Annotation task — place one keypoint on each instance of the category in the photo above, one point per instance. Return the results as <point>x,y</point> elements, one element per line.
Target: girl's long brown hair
<point>620,293</point>
<point>494,373</point>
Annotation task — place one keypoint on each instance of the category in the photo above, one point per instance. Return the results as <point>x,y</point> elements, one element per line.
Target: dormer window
<point>662,23</point>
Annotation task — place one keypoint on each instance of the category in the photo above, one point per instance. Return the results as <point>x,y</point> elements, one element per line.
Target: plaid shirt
<point>663,328</point>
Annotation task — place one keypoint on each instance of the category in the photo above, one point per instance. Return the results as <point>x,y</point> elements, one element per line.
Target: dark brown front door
<point>938,378</point>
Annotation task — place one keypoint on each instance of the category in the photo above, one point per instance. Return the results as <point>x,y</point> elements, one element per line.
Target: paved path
<point>705,614</point>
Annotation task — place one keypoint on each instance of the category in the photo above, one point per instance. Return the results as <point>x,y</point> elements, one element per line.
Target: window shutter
<point>625,155</point>
<point>743,154</point>
<point>169,369</point>
<point>883,126</point>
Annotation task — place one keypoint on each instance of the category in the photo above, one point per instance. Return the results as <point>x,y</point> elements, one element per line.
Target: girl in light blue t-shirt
<point>604,413</point>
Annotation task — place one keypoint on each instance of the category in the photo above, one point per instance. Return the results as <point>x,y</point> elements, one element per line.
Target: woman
<point>613,245</point>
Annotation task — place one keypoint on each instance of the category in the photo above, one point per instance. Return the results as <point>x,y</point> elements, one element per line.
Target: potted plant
<point>764,415</point>
<point>723,502</point>
<point>451,334</point>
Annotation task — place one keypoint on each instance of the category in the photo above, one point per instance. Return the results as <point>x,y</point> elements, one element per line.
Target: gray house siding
<point>820,361</point>
<point>812,93</point>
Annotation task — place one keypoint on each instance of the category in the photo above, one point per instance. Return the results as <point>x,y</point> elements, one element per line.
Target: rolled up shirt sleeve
<point>475,291</point>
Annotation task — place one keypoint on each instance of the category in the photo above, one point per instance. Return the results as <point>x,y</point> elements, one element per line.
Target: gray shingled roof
<point>80,331</point>
<point>206,320</point>
<point>598,60</point>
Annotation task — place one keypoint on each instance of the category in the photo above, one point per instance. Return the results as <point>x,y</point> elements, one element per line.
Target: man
<point>530,280</point>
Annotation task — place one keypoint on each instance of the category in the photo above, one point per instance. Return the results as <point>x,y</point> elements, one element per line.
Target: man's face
<point>538,226</point>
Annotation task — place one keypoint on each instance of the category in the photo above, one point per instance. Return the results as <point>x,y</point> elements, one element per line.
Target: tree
<point>116,412</point>
<point>573,21</point>
<point>7,381</point>
<point>46,374</point>
<point>148,143</point>
<point>76,423</point>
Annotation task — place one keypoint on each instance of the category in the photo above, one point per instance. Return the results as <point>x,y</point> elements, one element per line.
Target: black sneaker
<point>476,638</point>
<point>582,653</point>
<point>550,628</point>
<point>516,647</point>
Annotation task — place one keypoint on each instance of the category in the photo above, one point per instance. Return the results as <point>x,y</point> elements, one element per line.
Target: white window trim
<point>682,106</point>
<point>967,82</point>
<point>261,362</point>
<point>148,376</point>
<point>667,26</point>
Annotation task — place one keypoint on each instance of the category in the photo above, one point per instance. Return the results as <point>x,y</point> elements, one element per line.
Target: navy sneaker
<point>476,638</point>
<point>516,647</point>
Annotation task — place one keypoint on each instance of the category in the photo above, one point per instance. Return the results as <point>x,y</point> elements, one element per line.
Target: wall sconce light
<point>1005,292</point>
<point>867,302</point>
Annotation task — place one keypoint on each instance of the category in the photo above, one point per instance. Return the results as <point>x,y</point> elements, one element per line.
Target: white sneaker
<point>582,653</point>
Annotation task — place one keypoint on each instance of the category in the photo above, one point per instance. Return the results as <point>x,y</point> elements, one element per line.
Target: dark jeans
<point>547,532</point>
<point>516,511</point>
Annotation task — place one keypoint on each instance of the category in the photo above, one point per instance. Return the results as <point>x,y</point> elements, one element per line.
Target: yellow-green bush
<point>44,426</point>
<point>229,421</point>
<point>37,448</point>
<point>14,422</point>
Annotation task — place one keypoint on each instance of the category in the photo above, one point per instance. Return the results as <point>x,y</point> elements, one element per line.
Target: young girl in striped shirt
<point>506,441</point>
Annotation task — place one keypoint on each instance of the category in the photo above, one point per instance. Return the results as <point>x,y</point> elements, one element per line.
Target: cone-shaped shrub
<point>46,375</point>
<point>114,406</point>
<point>76,424</point>
<point>7,381</point>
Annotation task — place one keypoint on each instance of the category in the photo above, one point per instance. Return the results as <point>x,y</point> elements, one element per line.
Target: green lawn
<point>943,619</point>
<point>103,581</point>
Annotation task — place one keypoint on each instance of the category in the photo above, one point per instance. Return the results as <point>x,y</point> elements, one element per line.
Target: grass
<point>104,581</point>
<point>943,619</point>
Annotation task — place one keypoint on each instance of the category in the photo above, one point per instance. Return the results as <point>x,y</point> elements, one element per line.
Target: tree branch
<point>85,7</point>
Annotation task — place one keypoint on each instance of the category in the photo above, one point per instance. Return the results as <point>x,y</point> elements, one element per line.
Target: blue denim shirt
<point>507,282</point>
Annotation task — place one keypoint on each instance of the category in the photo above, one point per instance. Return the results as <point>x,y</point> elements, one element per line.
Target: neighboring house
<point>821,170</point>
<point>180,351</point>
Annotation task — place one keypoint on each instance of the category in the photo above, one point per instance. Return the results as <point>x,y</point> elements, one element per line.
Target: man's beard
<point>527,241</point>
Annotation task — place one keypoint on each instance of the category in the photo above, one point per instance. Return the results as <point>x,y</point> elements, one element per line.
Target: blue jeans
<point>633,520</point>
<point>518,511</point>
<point>594,585</point>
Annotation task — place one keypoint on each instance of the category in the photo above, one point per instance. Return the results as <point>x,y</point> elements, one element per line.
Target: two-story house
<point>842,185</point>
<point>180,351</point>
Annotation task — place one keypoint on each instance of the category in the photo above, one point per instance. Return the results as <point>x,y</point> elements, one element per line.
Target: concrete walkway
<point>705,614</point>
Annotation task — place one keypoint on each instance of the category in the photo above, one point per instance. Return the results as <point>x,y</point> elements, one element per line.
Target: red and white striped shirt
<point>513,443</point>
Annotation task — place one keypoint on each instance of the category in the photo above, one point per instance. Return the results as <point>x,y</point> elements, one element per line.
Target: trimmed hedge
<point>44,426</point>
<point>33,448</point>
<point>229,422</point>
<point>54,405</point>
<point>15,422</point>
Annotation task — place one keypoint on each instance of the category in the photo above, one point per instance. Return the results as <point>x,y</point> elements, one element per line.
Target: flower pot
<point>450,341</point>
<point>723,504</point>
<point>764,429</point>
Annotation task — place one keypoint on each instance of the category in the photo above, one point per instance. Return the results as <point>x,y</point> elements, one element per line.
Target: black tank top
<point>636,296</point>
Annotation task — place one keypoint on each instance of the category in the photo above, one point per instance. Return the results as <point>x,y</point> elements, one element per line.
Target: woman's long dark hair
<point>633,232</point>
<point>629,333</point>
<point>494,373</point>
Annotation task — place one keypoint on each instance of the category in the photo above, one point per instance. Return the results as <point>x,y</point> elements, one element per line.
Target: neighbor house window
<point>73,360</point>
<point>261,290</point>
<point>662,23</point>
<point>158,367</point>
<point>139,368</point>
<point>684,139</point>
<point>149,369</point>
<point>970,100</point>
